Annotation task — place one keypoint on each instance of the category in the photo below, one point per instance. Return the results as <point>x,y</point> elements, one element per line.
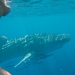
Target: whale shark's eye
<point>3,40</point>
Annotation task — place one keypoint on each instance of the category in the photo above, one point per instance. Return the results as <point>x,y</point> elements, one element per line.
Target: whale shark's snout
<point>62,38</point>
<point>59,38</point>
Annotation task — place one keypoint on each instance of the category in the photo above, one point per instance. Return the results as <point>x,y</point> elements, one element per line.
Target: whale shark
<point>32,47</point>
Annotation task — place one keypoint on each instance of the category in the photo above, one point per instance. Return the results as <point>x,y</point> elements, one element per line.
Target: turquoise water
<point>55,16</point>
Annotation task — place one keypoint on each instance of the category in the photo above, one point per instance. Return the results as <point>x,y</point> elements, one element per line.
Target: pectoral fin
<point>24,59</point>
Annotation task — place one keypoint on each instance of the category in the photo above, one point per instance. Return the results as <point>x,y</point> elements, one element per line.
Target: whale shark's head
<point>57,38</point>
<point>49,42</point>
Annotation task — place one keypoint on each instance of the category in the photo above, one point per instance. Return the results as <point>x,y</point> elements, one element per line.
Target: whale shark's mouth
<point>33,47</point>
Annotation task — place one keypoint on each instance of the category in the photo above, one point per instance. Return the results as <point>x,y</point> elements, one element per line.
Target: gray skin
<point>41,43</point>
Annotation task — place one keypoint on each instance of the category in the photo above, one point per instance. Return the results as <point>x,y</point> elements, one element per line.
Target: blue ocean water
<point>22,21</point>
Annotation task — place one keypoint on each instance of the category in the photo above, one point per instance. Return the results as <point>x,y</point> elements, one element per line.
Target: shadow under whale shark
<point>32,46</point>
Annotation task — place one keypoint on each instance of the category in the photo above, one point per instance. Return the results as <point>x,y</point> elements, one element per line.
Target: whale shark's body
<point>36,45</point>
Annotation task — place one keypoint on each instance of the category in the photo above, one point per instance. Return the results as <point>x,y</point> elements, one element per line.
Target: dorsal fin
<point>3,41</point>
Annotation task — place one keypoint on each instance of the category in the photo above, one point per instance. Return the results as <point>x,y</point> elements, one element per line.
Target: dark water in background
<point>19,22</point>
